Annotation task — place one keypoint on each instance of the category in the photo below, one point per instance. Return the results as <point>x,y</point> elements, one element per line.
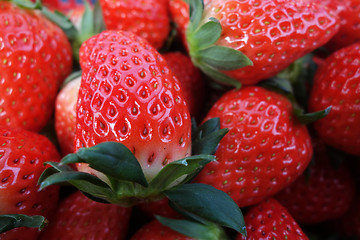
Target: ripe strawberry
<point>349,14</point>
<point>322,193</point>
<point>78,217</point>
<point>154,230</point>
<point>35,59</point>
<point>265,150</point>
<point>271,33</point>
<point>336,84</point>
<point>146,18</point>
<point>22,157</point>
<point>128,94</point>
<point>349,223</point>
<point>270,220</point>
<point>191,80</point>
<point>65,115</point>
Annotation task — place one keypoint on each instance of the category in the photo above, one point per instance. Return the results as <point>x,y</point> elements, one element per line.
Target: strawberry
<point>146,18</point>
<point>35,59</point>
<point>270,220</point>
<point>324,192</point>
<point>130,95</point>
<point>65,115</point>
<point>349,223</point>
<point>265,150</point>
<point>154,230</point>
<point>191,80</point>
<point>349,14</point>
<point>22,157</point>
<point>336,84</point>
<point>81,218</point>
<point>271,34</point>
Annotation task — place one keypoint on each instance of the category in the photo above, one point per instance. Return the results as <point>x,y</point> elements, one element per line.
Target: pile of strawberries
<point>179,119</point>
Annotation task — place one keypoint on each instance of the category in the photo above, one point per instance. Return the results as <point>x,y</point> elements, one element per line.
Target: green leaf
<point>208,203</point>
<point>28,4</point>
<point>11,221</point>
<point>99,24</point>
<point>207,34</point>
<point>193,229</point>
<point>217,75</point>
<point>65,177</point>
<point>196,9</point>
<point>306,118</point>
<point>113,159</point>
<point>223,58</point>
<point>62,21</point>
<point>207,137</point>
<point>179,171</point>
<point>278,84</point>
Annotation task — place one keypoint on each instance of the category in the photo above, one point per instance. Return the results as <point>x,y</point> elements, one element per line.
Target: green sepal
<point>196,9</point>
<point>110,158</point>
<point>218,76</point>
<point>208,203</point>
<point>180,171</point>
<point>224,58</point>
<point>28,4</point>
<point>11,221</point>
<point>194,229</point>
<point>62,21</point>
<point>207,34</point>
<point>201,37</point>
<point>306,118</point>
<point>206,138</point>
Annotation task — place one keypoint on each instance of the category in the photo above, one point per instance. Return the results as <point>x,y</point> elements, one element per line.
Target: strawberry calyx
<point>194,229</point>
<point>122,180</point>
<point>11,221</point>
<point>202,35</point>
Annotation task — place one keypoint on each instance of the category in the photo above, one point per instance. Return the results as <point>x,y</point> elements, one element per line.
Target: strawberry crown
<point>212,59</point>
<point>127,186</point>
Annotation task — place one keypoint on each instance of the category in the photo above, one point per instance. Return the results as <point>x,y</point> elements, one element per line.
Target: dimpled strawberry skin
<point>265,149</point>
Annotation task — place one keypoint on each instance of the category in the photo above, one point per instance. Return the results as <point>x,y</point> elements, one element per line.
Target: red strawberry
<point>35,59</point>
<point>349,223</point>
<point>128,94</point>
<point>154,230</point>
<point>78,217</point>
<point>22,157</point>
<point>146,18</point>
<point>270,220</point>
<point>337,84</point>
<point>265,149</point>
<point>322,194</point>
<point>65,115</point>
<point>191,80</point>
<point>271,33</point>
<point>349,14</point>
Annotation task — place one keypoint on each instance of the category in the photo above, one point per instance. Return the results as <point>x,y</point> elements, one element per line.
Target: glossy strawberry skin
<point>270,220</point>
<point>22,155</point>
<point>154,230</point>
<point>131,96</point>
<point>349,14</point>
<point>35,58</point>
<point>78,217</point>
<point>272,33</point>
<point>146,18</point>
<point>65,115</point>
<point>324,192</point>
<point>265,149</point>
<point>192,82</point>
<point>337,84</point>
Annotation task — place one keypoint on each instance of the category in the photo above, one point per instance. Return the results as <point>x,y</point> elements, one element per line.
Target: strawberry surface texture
<point>179,119</point>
